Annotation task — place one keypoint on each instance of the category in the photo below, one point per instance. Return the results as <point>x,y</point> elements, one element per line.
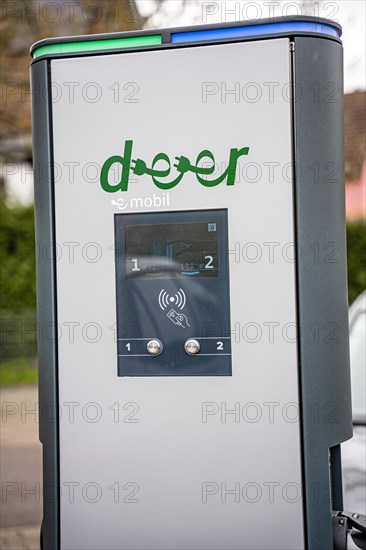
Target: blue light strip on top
<point>254,30</point>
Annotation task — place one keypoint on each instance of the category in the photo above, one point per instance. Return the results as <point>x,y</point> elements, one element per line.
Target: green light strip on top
<point>94,45</point>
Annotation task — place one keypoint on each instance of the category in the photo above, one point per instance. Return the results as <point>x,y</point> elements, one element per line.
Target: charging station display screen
<point>179,250</point>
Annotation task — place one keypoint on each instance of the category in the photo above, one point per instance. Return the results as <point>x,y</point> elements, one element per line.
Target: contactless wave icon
<point>168,300</point>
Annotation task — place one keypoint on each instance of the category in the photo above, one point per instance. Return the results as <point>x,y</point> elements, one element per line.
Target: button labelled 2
<point>192,347</point>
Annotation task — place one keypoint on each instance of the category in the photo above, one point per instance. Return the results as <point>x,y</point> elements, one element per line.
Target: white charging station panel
<point>177,450</point>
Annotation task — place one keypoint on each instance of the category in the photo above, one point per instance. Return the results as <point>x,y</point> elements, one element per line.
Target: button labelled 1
<point>192,347</point>
<point>154,347</point>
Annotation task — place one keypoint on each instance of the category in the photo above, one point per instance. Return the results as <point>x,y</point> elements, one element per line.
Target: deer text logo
<point>164,174</point>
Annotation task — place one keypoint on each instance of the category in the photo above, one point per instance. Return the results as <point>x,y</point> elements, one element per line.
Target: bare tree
<point>305,7</point>
<point>23,22</point>
<point>309,7</point>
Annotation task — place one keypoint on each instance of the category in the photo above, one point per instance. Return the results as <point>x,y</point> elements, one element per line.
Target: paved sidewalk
<point>19,538</point>
<point>20,469</point>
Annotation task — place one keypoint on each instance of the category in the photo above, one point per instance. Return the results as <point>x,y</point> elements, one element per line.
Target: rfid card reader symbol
<point>166,300</point>
<point>178,318</point>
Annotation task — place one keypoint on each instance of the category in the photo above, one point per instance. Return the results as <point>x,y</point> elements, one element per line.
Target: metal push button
<point>192,347</point>
<point>154,347</point>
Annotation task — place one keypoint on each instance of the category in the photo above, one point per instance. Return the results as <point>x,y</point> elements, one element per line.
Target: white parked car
<point>354,450</point>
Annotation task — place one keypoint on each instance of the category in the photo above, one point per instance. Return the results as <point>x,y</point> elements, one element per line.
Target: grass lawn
<point>22,370</point>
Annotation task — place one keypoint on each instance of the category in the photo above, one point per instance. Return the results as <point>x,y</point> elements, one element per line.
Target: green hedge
<point>18,288</point>
<point>356,250</point>
<point>17,266</point>
<point>20,370</point>
<point>18,328</point>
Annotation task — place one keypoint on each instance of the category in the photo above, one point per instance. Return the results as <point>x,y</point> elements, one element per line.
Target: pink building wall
<point>356,197</point>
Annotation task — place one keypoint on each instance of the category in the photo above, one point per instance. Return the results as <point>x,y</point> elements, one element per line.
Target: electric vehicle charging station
<point>192,302</point>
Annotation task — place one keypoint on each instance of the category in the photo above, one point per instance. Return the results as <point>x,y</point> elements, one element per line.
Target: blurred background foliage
<point>356,250</point>
<point>23,22</point>
<point>19,255</point>
<point>18,293</point>
<point>18,288</point>
<point>18,343</point>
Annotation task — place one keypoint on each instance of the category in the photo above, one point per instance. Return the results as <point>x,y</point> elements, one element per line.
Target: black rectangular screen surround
<point>172,285</point>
